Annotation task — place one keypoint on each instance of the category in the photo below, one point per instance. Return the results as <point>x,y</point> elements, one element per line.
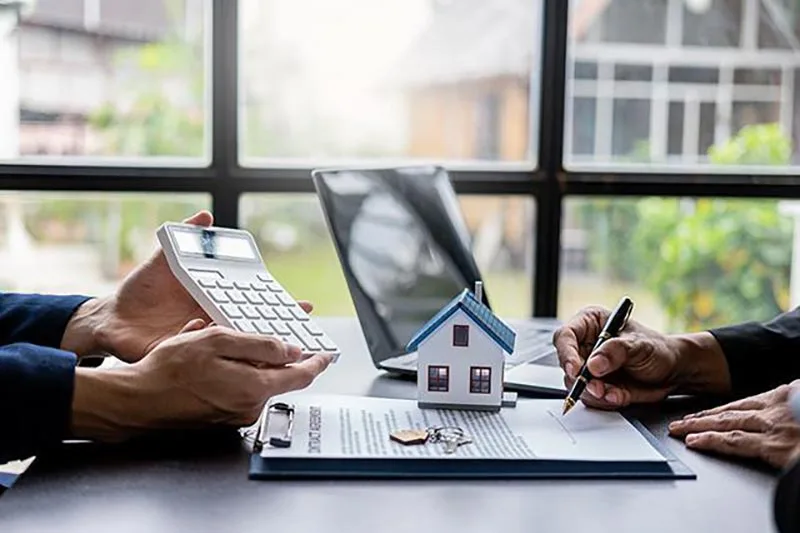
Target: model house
<point>461,354</point>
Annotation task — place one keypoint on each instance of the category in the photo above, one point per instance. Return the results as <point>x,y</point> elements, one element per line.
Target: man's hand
<point>150,306</point>
<point>203,377</point>
<point>640,365</point>
<point>761,427</point>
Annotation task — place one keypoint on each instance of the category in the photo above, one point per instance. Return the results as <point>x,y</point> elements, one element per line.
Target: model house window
<point>438,378</point>
<point>460,335</point>
<point>480,380</point>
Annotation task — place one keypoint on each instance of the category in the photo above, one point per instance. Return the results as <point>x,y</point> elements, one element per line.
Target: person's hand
<point>149,306</point>
<point>202,377</point>
<point>638,366</point>
<point>760,427</point>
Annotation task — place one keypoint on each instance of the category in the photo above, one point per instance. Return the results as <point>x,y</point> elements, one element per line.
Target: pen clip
<point>284,441</point>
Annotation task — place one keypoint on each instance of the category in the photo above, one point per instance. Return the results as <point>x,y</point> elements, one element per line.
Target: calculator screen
<point>213,245</point>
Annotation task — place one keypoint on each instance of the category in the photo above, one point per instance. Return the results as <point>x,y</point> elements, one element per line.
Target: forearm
<point>86,328</point>
<point>100,405</point>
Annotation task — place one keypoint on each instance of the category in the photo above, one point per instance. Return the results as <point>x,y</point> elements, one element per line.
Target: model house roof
<point>482,315</point>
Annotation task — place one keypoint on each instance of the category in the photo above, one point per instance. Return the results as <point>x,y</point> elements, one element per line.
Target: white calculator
<point>223,270</point>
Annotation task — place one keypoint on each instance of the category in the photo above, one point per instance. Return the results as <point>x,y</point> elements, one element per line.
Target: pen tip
<point>569,403</point>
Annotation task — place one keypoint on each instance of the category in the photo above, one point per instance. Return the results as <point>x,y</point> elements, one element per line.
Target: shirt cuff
<point>745,354</point>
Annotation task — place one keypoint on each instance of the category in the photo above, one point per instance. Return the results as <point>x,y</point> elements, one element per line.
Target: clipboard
<point>281,415</point>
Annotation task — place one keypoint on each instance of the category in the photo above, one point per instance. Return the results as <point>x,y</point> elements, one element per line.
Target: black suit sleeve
<point>786,505</point>
<point>762,356</point>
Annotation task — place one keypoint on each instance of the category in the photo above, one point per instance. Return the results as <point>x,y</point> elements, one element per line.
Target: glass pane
<point>104,78</point>
<point>690,84</point>
<point>688,264</point>
<point>81,242</point>
<point>344,80</point>
<point>298,251</point>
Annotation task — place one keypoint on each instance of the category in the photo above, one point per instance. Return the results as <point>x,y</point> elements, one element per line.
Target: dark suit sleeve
<point>762,356</point>
<point>786,504</point>
<point>36,377</point>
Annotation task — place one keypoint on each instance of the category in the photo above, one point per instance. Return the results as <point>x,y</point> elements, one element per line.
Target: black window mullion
<point>224,110</point>
<point>550,156</point>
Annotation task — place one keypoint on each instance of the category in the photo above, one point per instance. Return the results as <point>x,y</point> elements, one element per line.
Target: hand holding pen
<point>636,365</point>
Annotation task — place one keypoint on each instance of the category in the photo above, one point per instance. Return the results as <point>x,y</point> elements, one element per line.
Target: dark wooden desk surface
<point>196,485</point>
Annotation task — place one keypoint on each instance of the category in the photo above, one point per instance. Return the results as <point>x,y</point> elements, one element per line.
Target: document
<point>356,427</point>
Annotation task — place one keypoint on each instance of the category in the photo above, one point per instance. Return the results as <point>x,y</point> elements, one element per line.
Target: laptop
<point>405,252</point>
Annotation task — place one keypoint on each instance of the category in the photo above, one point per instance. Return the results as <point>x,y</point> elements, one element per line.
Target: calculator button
<point>253,298</point>
<point>307,340</point>
<point>249,311</point>
<point>244,325</point>
<point>207,283</point>
<point>267,313</point>
<point>326,344</point>
<point>224,284</point>
<point>274,287</point>
<point>281,328</point>
<point>231,311</point>
<point>283,313</point>
<point>299,314</point>
<point>264,328</point>
<point>313,329</point>
<point>241,285</point>
<point>265,279</point>
<point>270,298</point>
<point>218,296</point>
<point>260,287</point>
<point>286,299</point>
<point>236,297</point>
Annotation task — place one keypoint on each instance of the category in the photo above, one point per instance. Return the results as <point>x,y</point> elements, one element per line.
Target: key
<point>283,313</point>
<point>299,314</point>
<point>231,311</point>
<point>236,297</point>
<point>241,286</point>
<point>218,296</point>
<point>326,344</point>
<point>224,284</point>
<point>245,326</point>
<point>264,328</point>
<point>286,300</point>
<point>267,313</point>
<point>207,283</point>
<point>260,287</point>
<point>262,277</point>
<point>280,328</point>
<point>313,329</point>
<point>249,311</point>
<point>307,340</point>
<point>270,299</point>
<point>253,298</point>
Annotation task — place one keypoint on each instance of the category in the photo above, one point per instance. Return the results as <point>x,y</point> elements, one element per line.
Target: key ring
<point>437,433</point>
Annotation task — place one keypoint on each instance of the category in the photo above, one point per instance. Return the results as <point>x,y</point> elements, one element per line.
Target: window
<point>460,335</point>
<point>438,378</point>
<point>106,79</point>
<point>480,380</point>
<point>689,264</point>
<point>81,242</point>
<point>682,83</point>
<point>345,80</point>
<point>296,245</point>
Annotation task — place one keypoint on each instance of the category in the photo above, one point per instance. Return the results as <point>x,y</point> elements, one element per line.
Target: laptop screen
<point>403,247</point>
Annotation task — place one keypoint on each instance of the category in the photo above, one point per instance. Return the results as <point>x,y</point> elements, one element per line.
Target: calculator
<point>223,270</point>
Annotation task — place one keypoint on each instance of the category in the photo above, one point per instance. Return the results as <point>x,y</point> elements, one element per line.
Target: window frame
<point>458,328</point>
<point>438,378</point>
<point>473,381</point>
<point>545,178</point>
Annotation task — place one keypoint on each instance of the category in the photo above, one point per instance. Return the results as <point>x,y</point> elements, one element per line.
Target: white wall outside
<point>437,349</point>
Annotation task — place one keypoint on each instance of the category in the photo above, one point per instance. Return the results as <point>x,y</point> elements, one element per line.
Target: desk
<point>100,490</point>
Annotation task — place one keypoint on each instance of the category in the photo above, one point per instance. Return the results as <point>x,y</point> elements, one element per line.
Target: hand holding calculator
<point>223,270</point>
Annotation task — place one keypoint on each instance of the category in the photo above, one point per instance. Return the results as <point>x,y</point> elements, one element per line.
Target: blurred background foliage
<point>709,261</point>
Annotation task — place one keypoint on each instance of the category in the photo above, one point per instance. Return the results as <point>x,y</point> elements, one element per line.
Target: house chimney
<point>479,291</point>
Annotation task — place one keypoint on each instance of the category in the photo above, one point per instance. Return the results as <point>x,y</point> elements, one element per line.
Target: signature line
<point>560,423</point>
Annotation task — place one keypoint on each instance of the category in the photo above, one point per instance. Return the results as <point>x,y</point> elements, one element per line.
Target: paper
<point>533,375</point>
<point>359,427</point>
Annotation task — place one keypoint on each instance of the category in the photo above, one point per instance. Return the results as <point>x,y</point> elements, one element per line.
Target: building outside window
<point>480,380</point>
<point>460,335</point>
<point>438,378</point>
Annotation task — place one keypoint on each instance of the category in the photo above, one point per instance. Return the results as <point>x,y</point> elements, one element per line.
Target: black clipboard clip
<point>284,441</point>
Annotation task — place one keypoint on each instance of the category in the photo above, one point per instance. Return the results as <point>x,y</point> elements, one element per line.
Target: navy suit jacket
<point>36,377</point>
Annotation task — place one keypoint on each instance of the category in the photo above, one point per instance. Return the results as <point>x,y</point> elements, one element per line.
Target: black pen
<point>616,321</point>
